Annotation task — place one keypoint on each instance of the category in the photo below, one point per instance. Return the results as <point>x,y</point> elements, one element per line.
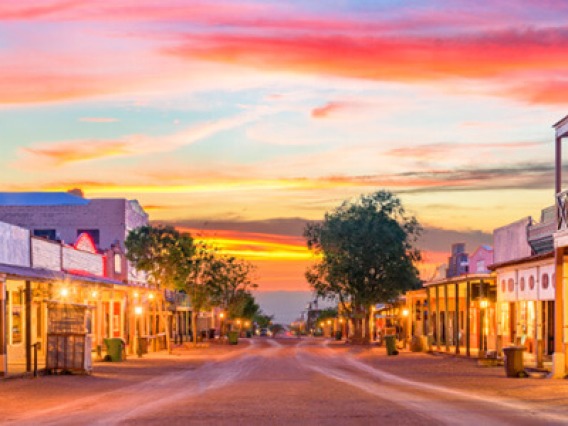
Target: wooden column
<point>438,317</point>
<point>467,319</point>
<point>3,327</point>
<point>446,318</point>
<point>457,318</point>
<point>28,340</point>
<point>427,314</point>
<point>481,332</point>
<point>559,303</point>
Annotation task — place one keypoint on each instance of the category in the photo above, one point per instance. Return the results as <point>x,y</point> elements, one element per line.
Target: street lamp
<point>138,313</point>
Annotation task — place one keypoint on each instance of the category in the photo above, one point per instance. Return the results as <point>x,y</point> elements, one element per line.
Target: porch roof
<point>522,260</point>
<point>461,279</point>
<point>37,274</point>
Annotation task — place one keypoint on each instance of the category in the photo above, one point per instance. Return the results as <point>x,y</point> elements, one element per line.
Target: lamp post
<point>138,313</point>
<point>221,324</point>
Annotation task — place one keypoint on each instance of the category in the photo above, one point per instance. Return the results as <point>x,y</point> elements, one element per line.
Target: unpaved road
<point>286,381</point>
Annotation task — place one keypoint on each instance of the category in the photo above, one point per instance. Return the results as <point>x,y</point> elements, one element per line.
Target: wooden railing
<point>561,205</point>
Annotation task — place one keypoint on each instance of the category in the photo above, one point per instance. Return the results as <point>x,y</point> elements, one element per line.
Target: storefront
<point>525,303</point>
<point>461,314</point>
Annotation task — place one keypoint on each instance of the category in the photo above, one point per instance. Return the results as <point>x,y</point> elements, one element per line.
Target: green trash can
<point>514,361</point>
<point>115,349</point>
<point>233,337</point>
<point>390,342</point>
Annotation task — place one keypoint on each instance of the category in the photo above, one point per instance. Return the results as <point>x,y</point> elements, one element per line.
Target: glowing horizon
<point>260,115</point>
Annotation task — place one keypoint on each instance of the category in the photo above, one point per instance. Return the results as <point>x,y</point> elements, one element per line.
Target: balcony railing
<point>561,204</point>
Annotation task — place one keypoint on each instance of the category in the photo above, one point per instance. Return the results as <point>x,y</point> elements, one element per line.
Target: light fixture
<point>405,312</point>
<point>150,296</point>
<point>329,322</point>
<point>94,294</point>
<point>483,303</point>
<point>138,310</point>
<point>64,292</point>
<point>222,315</point>
<point>136,295</point>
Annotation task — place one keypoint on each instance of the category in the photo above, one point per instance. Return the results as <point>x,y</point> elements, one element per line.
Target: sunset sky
<point>241,120</point>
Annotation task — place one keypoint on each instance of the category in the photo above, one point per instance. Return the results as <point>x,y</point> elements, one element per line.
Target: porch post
<point>467,319</point>
<point>427,314</point>
<point>28,341</point>
<point>559,357</point>
<point>3,328</point>
<point>446,319</point>
<point>457,318</point>
<point>438,316</point>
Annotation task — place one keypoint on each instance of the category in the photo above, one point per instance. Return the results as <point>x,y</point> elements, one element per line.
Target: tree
<point>367,255</point>
<point>164,254</point>
<point>198,282</point>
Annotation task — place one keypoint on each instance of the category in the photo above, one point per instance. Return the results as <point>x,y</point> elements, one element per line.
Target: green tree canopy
<point>367,253</point>
<point>163,253</point>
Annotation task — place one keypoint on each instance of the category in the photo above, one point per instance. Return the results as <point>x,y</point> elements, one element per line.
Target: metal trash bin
<point>390,342</point>
<point>115,349</point>
<point>233,337</point>
<point>514,361</point>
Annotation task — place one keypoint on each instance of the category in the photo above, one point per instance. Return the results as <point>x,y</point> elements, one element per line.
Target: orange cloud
<point>254,246</point>
<point>65,152</point>
<point>327,109</point>
<point>69,152</point>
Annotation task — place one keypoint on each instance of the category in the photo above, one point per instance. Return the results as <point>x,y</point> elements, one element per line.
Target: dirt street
<point>286,381</point>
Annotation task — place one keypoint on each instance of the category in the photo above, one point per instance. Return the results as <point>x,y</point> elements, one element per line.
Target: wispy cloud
<point>65,152</point>
<point>438,150</point>
<point>328,109</point>
<point>98,120</point>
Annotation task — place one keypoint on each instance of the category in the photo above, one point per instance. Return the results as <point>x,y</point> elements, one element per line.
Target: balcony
<point>540,235</point>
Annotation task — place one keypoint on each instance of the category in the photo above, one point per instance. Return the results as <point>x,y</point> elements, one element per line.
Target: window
<point>503,286</point>
<point>531,282</point>
<point>17,319</point>
<point>511,285</point>
<point>117,263</point>
<point>93,233</point>
<point>48,234</point>
<point>545,281</point>
<point>522,283</point>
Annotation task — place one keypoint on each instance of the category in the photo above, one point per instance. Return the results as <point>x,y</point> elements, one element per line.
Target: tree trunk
<point>194,327</point>
<point>368,318</point>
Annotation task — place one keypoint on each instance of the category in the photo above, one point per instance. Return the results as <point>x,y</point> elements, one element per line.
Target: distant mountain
<point>286,306</point>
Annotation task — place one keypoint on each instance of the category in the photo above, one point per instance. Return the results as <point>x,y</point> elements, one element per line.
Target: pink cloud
<point>328,109</point>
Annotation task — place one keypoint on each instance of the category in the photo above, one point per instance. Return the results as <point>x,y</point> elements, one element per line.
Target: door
<point>550,327</point>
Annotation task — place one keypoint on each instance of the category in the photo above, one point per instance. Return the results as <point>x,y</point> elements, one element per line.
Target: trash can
<point>338,335</point>
<point>514,361</point>
<point>115,349</point>
<point>390,342</point>
<point>233,337</point>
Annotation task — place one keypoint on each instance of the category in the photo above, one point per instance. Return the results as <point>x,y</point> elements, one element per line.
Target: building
<point>61,216</point>
<point>39,278</point>
<point>525,291</point>
<point>458,261</point>
<point>460,314</point>
<point>560,237</point>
